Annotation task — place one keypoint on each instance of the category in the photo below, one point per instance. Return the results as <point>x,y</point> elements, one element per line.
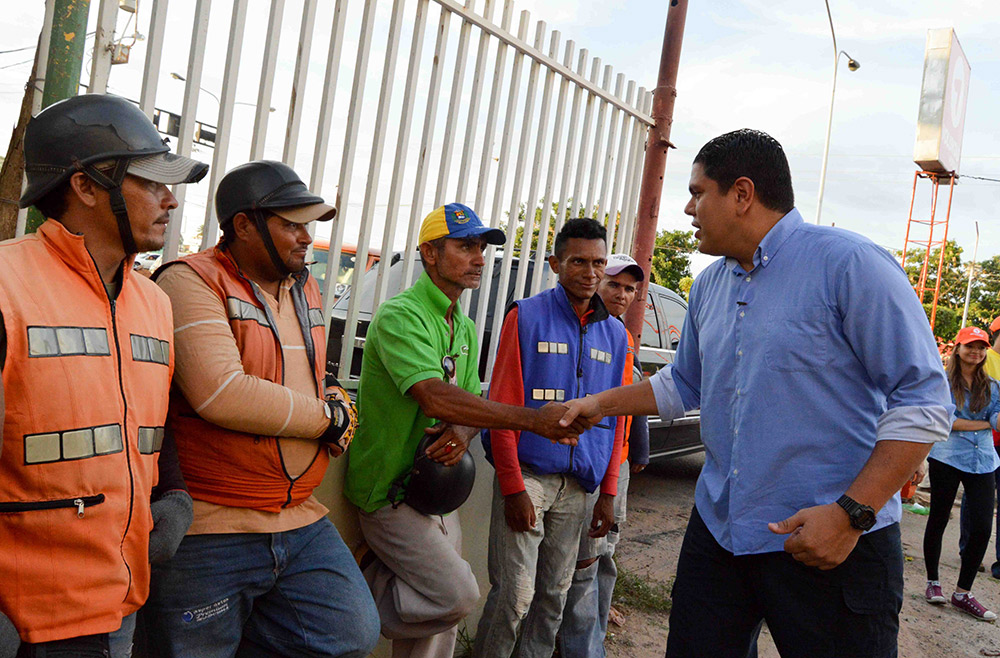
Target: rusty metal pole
<point>657,143</point>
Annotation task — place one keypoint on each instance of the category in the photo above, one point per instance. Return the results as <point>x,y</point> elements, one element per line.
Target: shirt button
<point>742,313</point>
<point>748,278</point>
<point>765,257</point>
<point>736,432</point>
<point>737,391</point>
<point>740,353</point>
<point>736,471</point>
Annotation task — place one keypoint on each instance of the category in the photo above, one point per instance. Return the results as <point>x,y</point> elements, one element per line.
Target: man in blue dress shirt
<point>821,391</point>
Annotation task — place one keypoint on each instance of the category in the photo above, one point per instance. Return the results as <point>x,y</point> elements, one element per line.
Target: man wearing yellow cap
<point>420,366</point>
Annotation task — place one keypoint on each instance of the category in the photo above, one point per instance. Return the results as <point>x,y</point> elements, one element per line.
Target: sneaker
<point>934,594</point>
<point>971,606</point>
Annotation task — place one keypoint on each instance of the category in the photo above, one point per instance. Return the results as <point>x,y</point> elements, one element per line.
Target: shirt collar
<point>769,246</point>
<point>434,297</point>
<point>596,310</point>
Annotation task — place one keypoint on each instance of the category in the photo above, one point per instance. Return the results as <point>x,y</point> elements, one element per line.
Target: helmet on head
<point>266,187</point>
<point>82,132</point>
<point>431,487</point>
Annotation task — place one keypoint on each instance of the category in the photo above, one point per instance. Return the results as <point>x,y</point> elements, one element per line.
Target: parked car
<point>321,255</point>
<point>664,318</point>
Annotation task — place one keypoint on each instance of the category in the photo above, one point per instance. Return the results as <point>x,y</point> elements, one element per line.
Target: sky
<point>765,64</point>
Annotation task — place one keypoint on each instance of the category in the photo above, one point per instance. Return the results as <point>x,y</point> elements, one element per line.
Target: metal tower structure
<point>929,227</point>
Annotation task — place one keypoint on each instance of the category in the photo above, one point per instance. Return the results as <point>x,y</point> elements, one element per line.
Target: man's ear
<point>554,263</point>
<point>745,193</point>
<point>243,226</point>
<point>428,253</point>
<point>84,189</point>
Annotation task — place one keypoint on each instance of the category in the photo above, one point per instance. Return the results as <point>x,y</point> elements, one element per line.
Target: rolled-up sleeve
<point>888,330</point>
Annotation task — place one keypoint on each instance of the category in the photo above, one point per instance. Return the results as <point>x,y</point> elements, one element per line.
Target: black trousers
<point>91,646</point>
<point>979,498</point>
<point>721,600</point>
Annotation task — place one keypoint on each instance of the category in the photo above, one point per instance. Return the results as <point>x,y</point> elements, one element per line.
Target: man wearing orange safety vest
<point>86,354</point>
<point>262,570</point>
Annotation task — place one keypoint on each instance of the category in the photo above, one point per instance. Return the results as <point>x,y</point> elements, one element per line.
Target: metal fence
<point>476,94</point>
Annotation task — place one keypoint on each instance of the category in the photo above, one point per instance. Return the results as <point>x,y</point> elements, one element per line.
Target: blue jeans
<point>294,593</point>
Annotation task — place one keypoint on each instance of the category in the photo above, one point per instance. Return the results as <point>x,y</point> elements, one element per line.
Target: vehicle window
<point>673,319</point>
<point>318,268</point>
<point>650,327</point>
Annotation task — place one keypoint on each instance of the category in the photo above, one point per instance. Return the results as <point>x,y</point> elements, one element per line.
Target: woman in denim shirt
<point>967,457</point>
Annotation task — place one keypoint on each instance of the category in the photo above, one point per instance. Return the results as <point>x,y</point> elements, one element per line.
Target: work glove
<point>343,418</point>
<point>172,516</point>
<point>9,639</point>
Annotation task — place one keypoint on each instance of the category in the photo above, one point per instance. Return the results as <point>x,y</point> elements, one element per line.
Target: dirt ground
<point>660,501</point>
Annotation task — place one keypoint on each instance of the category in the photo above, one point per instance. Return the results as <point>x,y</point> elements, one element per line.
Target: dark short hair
<point>755,155</point>
<point>53,205</point>
<point>579,227</point>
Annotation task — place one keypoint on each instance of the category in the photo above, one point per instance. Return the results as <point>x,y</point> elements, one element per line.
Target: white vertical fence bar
<point>402,146</point>
<point>609,159</point>
<point>42,59</point>
<point>639,150</point>
<point>486,163</point>
<point>550,176</point>
<point>237,27</point>
<point>374,169</point>
<point>581,163</point>
<point>595,161</point>
<point>322,147</point>
<point>565,201</point>
<point>154,56</point>
<point>471,123</point>
<point>267,79</point>
<point>426,142</point>
<point>513,221</point>
<point>531,203</point>
<point>192,87</point>
<point>104,40</point>
<point>635,137</point>
<point>454,102</point>
<point>615,224</point>
<point>354,117</point>
<point>510,120</point>
<point>297,101</point>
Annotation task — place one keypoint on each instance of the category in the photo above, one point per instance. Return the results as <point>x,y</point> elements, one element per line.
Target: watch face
<point>864,518</point>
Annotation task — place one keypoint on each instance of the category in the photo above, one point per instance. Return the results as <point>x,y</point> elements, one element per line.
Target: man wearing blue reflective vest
<point>821,391</point>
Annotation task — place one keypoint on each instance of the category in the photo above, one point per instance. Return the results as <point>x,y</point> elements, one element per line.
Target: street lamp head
<point>177,76</point>
<point>853,64</point>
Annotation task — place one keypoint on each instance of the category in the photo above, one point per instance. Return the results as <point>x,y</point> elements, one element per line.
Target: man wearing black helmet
<point>86,355</point>
<point>262,570</point>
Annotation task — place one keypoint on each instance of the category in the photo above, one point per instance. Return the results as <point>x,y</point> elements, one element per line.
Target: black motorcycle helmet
<point>431,487</point>
<point>81,132</point>
<point>266,187</point>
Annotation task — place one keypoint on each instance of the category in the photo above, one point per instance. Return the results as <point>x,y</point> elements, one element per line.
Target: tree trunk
<point>13,165</point>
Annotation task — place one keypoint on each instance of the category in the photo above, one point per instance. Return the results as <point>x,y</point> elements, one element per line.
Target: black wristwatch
<point>862,516</point>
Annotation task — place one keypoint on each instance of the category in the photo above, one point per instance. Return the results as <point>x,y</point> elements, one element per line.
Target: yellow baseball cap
<point>457,221</point>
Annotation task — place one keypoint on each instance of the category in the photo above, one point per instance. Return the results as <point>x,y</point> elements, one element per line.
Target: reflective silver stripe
<point>150,350</point>
<point>600,355</point>
<point>72,444</point>
<point>552,347</point>
<point>68,341</point>
<point>543,347</point>
<point>548,394</point>
<point>150,439</point>
<point>563,348</point>
<point>237,309</point>
<point>316,317</point>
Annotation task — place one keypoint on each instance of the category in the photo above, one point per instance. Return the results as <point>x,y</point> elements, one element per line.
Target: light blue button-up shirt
<point>799,367</point>
<point>972,452</point>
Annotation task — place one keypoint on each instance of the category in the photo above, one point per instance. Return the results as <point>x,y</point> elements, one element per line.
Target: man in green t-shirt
<point>420,366</point>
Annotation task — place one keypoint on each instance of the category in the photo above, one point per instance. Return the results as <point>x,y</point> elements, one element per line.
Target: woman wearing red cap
<point>967,457</point>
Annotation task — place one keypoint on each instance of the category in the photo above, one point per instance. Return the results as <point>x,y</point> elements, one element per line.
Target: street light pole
<point>972,268</point>
<point>852,65</point>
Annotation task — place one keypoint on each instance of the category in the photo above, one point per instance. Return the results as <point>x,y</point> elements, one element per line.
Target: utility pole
<point>657,143</point>
<point>64,65</point>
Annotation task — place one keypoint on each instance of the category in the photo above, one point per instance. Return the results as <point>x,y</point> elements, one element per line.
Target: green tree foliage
<point>672,258</point>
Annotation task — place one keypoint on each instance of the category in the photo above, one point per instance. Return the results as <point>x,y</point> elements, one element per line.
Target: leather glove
<point>343,418</point>
<point>9,639</point>
<point>172,516</point>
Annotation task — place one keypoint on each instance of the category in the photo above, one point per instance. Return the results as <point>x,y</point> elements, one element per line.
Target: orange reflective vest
<point>237,469</point>
<point>86,381</point>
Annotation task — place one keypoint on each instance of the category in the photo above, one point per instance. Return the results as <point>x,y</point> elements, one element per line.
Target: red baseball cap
<point>972,335</point>
<point>995,325</point>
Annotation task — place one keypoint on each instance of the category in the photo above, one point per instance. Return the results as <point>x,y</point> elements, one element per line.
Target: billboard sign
<point>943,97</point>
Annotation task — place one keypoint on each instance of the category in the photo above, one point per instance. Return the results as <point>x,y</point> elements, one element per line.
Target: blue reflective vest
<point>561,360</point>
